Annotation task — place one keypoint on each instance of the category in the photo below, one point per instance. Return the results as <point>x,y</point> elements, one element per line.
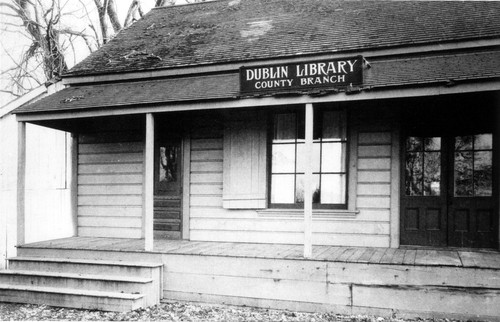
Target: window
<point>423,166</point>
<point>329,159</point>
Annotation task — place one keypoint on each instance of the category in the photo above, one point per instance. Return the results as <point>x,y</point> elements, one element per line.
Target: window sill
<point>299,213</point>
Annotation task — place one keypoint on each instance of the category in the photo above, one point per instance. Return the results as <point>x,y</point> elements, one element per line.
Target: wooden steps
<point>82,283</point>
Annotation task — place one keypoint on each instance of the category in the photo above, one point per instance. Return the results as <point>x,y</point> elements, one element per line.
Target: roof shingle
<point>244,30</point>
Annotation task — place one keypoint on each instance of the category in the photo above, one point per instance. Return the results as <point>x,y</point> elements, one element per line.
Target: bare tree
<point>53,40</point>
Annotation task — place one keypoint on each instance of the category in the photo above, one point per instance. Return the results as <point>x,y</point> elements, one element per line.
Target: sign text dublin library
<point>305,75</point>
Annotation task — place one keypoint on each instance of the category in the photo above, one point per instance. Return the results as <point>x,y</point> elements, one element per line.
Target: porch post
<point>21,182</point>
<point>73,180</point>
<point>149,183</point>
<point>308,158</point>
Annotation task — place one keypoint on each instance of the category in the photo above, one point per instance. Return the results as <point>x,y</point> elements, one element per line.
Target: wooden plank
<point>290,238</point>
<point>209,166</point>
<point>112,200</point>
<point>124,222</point>
<point>108,232</point>
<point>374,215</point>
<point>367,254</point>
<point>119,147</point>
<point>356,255</point>
<point>332,253</point>
<point>110,137</point>
<point>458,301</point>
<point>206,177</point>
<point>374,189</point>
<point>437,258</point>
<point>109,211</point>
<point>291,225</point>
<point>206,189</point>
<point>410,256</point>
<point>374,202</point>
<point>377,255</point>
<point>398,257</point>
<point>110,179</point>
<point>348,252</point>
<point>207,201</point>
<point>206,155</point>
<point>319,250</point>
<point>374,150</point>
<point>135,189</point>
<point>110,168</point>
<point>388,255</point>
<point>367,176</point>
<point>110,158</point>
<point>370,138</point>
<point>200,212</point>
<point>206,144</point>
<point>476,259</point>
<point>374,164</point>
<point>266,288</point>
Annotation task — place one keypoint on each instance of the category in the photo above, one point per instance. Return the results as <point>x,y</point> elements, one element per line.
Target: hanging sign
<point>331,73</point>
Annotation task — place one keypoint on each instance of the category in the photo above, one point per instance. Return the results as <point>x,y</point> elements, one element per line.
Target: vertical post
<point>308,180</point>
<point>186,174</point>
<point>149,183</point>
<point>21,182</point>
<point>73,181</point>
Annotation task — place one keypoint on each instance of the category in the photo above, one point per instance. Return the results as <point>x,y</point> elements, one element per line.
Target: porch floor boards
<point>401,256</point>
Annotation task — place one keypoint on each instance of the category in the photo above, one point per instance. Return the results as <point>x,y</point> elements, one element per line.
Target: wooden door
<point>448,196</point>
<point>472,208</point>
<point>168,189</point>
<point>423,199</point>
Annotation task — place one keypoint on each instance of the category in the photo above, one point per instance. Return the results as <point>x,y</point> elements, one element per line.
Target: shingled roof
<point>245,30</point>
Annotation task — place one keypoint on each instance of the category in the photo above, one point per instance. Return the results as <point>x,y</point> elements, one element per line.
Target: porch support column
<point>21,182</point>
<point>73,181</point>
<point>149,183</point>
<point>308,158</point>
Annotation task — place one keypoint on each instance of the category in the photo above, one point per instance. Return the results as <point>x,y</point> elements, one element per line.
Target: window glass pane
<point>299,194</point>
<point>284,127</point>
<point>463,174</point>
<point>413,144</point>
<point>333,157</point>
<point>282,188</point>
<point>432,173</point>
<point>432,144</point>
<point>483,142</point>
<point>334,125</point>
<point>283,158</point>
<point>483,173</point>
<point>168,163</point>
<point>463,142</point>
<point>414,173</point>
<point>315,158</point>
<point>333,188</point>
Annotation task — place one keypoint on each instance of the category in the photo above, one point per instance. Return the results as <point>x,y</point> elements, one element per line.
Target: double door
<point>449,191</point>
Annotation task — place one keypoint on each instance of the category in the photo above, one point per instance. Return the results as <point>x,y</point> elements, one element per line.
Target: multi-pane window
<point>423,166</point>
<point>473,158</point>
<point>329,159</point>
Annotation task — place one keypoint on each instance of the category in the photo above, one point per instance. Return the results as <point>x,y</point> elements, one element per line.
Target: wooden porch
<point>371,255</point>
<point>410,283</point>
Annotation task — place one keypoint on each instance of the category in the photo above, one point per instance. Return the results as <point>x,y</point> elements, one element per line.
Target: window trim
<point>298,110</point>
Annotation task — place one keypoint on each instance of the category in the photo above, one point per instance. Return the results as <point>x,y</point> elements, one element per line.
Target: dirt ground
<point>171,312</point>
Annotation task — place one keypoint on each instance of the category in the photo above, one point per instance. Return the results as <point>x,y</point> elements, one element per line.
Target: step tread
<point>112,278</point>
<point>86,261</point>
<point>67,291</point>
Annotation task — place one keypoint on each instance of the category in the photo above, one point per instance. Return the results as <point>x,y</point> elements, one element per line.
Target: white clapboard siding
<point>110,185</point>
<point>369,227</point>
<point>291,225</point>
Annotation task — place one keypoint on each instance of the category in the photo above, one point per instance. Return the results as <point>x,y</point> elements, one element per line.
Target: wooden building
<point>306,154</point>
<point>47,193</point>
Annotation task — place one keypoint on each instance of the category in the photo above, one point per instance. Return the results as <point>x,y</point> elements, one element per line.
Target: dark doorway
<point>449,191</point>
<point>168,187</point>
